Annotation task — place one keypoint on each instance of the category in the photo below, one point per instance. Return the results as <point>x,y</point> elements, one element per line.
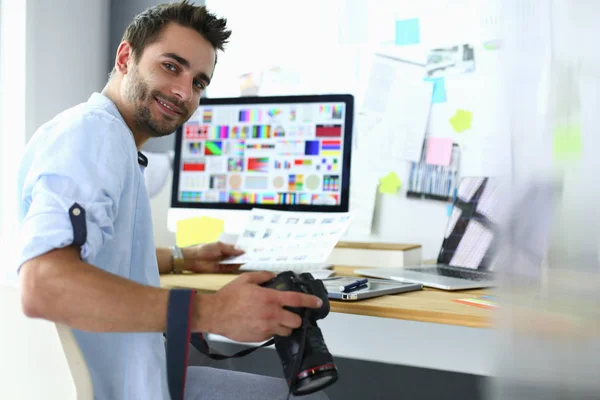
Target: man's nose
<point>182,89</point>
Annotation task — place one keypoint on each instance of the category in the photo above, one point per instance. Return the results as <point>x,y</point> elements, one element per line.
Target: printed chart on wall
<point>263,154</point>
<point>286,236</point>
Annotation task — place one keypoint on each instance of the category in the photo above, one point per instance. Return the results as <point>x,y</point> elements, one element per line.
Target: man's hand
<point>246,312</point>
<point>205,258</point>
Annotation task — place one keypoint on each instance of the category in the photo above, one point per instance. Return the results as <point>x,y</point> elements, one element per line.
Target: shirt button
<point>76,212</point>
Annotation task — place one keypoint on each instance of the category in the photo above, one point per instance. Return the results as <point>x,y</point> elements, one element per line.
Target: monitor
<point>286,153</point>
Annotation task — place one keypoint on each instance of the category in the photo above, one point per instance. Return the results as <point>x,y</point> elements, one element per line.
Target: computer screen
<point>471,235</point>
<point>291,153</point>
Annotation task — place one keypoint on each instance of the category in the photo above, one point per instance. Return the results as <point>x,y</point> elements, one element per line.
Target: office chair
<point>38,359</point>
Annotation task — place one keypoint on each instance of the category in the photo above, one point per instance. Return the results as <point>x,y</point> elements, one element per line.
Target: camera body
<point>307,364</point>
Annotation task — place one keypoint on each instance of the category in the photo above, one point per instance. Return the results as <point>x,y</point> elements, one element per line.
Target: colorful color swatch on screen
<point>236,148</point>
<point>288,198</point>
<point>260,164</point>
<point>303,162</point>
<point>331,183</point>
<point>235,164</point>
<point>268,198</point>
<point>330,147</point>
<point>194,166</point>
<point>274,112</point>
<point>261,131</point>
<point>250,115</point>
<point>195,131</point>
<point>260,146</point>
<point>329,131</point>
<point>278,164</point>
<point>213,148</point>
<point>190,196</point>
<point>295,182</point>
<point>311,148</point>
<point>207,116</point>
<point>195,147</point>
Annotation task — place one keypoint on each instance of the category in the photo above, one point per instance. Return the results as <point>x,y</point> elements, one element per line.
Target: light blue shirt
<point>87,155</point>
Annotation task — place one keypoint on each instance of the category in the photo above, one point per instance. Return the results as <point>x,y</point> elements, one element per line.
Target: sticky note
<point>196,230</point>
<point>492,44</point>
<point>439,151</point>
<point>408,32</point>
<point>389,184</point>
<point>449,208</point>
<point>461,121</point>
<point>566,142</point>
<point>439,90</point>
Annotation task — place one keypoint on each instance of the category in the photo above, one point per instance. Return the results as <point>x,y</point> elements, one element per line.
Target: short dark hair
<point>146,26</point>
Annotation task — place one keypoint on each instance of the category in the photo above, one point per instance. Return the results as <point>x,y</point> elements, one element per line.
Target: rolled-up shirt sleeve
<point>85,165</point>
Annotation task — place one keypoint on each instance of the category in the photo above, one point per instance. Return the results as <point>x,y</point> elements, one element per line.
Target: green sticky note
<point>493,44</point>
<point>196,230</point>
<point>389,184</point>
<point>566,142</point>
<point>461,121</point>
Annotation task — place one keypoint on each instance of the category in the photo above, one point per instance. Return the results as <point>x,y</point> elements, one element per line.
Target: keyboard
<point>454,273</point>
<point>280,267</point>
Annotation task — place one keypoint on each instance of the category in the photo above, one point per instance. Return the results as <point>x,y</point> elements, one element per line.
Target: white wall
<point>67,55</point>
<point>53,55</point>
<point>327,47</point>
<point>12,119</point>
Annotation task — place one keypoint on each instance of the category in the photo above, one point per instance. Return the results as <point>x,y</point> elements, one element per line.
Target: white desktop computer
<point>284,153</point>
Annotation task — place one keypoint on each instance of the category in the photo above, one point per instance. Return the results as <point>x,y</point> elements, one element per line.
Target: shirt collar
<point>108,105</point>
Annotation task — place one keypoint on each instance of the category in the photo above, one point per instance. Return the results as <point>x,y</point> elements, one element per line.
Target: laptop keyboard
<point>454,273</point>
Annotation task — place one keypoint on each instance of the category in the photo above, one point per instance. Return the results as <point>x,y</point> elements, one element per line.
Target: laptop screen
<point>469,237</point>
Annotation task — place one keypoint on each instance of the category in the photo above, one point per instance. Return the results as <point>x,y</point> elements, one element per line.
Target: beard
<point>141,97</point>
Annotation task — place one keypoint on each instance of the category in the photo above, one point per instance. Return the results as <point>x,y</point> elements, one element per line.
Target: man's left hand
<point>205,258</point>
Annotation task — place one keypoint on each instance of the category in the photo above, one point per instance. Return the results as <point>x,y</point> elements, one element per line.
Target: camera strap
<point>179,336</point>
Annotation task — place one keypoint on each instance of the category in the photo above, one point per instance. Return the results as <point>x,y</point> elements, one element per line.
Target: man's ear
<point>124,56</point>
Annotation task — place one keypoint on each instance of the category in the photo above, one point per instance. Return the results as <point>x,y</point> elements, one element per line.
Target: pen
<point>355,288</point>
<point>353,285</point>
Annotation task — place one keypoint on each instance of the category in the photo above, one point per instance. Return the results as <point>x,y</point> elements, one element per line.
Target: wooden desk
<point>428,305</point>
<point>424,329</point>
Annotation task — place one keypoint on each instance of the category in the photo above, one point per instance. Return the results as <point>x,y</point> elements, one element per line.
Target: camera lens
<point>315,379</point>
<point>317,369</point>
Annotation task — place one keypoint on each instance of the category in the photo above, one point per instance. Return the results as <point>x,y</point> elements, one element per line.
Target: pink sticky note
<point>439,151</point>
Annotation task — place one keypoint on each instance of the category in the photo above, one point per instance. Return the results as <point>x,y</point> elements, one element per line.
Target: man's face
<point>164,86</point>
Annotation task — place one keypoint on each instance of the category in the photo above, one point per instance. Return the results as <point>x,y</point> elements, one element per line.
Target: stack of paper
<point>295,237</point>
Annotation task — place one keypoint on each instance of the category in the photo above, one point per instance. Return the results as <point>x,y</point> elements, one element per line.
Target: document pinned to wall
<point>396,109</point>
<point>363,196</point>
<point>272,236</point>
<point>406,117</point>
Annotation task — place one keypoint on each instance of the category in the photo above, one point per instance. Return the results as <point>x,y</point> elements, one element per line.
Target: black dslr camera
<point>307,364</point>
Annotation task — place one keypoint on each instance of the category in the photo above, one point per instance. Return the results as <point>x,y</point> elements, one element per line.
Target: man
<point>87,252</point>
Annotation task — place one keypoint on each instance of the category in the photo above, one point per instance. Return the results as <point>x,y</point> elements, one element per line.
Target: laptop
<point>470,243</point>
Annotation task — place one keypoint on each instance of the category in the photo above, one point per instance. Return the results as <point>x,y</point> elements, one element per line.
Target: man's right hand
<point>246,312</point>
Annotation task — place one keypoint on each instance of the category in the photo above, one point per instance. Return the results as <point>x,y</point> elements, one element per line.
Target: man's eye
<point>198,84</point>
<point>170,67</point>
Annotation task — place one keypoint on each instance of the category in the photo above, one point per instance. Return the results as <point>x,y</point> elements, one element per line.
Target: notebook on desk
<point>467,253</point>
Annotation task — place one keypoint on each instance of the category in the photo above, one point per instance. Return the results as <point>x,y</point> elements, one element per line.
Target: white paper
<point>363,194</point>
<point>406,118</point>
<point>381,78</point>
<point>272,236</point>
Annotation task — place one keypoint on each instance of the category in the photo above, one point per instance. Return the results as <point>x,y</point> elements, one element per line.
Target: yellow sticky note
<point>389,184</point>
<point>461,121</point>
<point>566,142</point>
<point>196,230</point>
